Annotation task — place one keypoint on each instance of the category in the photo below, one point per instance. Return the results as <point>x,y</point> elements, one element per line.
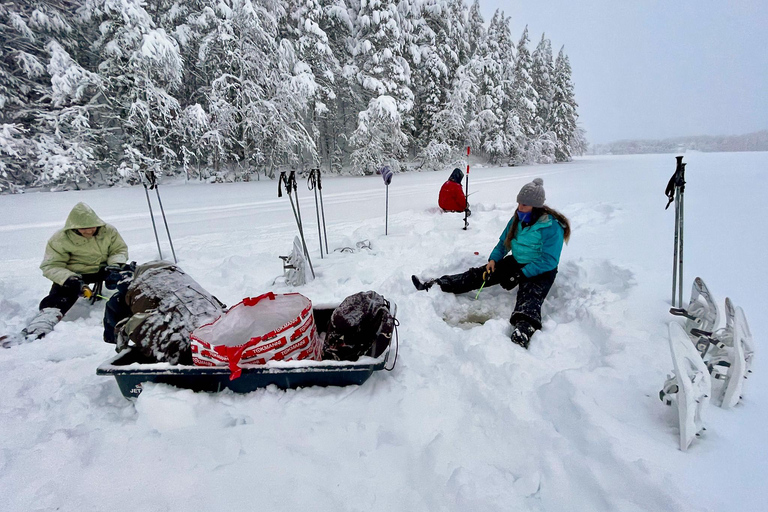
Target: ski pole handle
<point>280,181</point>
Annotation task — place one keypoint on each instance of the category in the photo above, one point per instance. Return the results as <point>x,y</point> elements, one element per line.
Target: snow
<point>467,420</point>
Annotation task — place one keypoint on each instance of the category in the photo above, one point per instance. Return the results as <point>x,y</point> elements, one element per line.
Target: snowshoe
<point>690,387</point>
<point>422,285</point>
<point>732,363</point>
<point>522,334</point>
<point>295,266</point>
<point>702,312</point>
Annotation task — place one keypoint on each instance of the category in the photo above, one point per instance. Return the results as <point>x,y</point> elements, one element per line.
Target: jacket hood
<point>456,176</point>
<point>82,216</point>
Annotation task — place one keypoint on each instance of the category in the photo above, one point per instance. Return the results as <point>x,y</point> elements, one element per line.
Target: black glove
<point>115,274</point>
<point>74,284</point>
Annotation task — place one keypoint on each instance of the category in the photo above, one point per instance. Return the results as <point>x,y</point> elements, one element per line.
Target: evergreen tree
<point>524,99</point>
<point>384,76</point>
<point>564,105</point>
<point>345,102</point>
<point>497,123</point>
<point>378,137</point>
<point>258,99</point>
<point>44,112</point>
<point>475,29</point>
<point>542,73</point>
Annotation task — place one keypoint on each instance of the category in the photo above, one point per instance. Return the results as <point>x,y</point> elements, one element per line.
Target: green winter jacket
<point>69,253</point>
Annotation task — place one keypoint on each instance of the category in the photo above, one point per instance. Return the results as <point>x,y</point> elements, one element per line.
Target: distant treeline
<point>757,141</point>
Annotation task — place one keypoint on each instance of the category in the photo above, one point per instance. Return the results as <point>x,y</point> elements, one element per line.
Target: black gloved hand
<point>113,274</point>
<point>74,284</point>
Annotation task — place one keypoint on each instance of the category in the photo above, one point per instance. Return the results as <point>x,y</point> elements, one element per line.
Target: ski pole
<point>466,210</point>
<point>292,181</point>
<point>283,179</point>
<point>675,255</point>
<point>386,175</point>
<point>682,212</point>
<point>312,185</point>
<point>386,212</point>
<point>322,208</point>
<point>165,221</point>
<point>673,194</point>
<point>152,216</point>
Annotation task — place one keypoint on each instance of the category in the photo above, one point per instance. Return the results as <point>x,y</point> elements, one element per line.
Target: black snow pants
<point>530,294</point>
<point>116,309</point>
<point>64,298</point>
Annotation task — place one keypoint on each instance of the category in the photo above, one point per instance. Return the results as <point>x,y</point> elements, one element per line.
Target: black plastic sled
<point>130,373</point>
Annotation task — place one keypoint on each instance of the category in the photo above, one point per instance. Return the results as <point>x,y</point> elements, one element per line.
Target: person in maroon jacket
<point>452,198</point>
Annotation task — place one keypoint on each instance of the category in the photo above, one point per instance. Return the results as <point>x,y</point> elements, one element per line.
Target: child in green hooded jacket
<point>86,251</point>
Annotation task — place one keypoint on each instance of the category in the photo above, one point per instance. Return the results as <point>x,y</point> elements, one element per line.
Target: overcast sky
<point>656,68</point>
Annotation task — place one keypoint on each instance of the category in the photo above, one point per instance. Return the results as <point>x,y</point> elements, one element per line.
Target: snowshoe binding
<point>702,312</point>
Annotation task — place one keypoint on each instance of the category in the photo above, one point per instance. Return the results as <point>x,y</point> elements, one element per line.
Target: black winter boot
<point>426,285</point>
<point>522,333</point>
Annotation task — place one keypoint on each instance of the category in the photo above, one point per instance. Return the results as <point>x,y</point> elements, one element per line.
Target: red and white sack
<point>270,327</point>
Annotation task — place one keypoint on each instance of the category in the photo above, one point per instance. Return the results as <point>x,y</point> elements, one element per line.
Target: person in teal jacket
<point>526,256</point>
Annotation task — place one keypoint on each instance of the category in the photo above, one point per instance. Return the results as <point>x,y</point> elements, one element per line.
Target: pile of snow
<point>467,421</point>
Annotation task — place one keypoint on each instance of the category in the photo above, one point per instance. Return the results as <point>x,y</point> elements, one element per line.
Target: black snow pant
<point>530,294</point>
<point>64,298</point>
<point>117,309</point>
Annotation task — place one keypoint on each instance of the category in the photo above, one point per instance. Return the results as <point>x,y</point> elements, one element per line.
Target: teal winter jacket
<point>537,247</point>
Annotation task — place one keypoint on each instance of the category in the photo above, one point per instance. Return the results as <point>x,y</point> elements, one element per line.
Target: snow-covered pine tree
<point>258,97</point>
<point>541,148</point>
<point>497,123</point>
<point>441,47</point>
<point>303,24</point>
<point>564,115</point>
<point>384,77</point>
<point>542,72</point>
<point>524,100</point>
<point>44,95</point>
<point>378,138</point>
<point>475,29</point>
<point>341,117</point>
<point>140,66</point>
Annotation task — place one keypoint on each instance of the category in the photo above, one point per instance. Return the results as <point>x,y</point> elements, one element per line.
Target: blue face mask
<point>524,216</point>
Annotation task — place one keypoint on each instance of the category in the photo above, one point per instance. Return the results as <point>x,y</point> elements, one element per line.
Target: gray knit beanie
<point>532,194</point>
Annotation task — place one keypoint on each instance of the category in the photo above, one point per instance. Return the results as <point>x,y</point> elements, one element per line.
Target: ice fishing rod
<point>149,180</point>
<point>289,180</point>
<point>675,191</point>
<point>486,278</point>
<point>314,183</point>
<point>467,213</point>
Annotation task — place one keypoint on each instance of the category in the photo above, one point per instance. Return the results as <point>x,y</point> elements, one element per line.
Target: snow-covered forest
<point>92,91</point>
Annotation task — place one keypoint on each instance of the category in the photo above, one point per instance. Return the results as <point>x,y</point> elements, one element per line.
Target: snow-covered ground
<point>467,421</point>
